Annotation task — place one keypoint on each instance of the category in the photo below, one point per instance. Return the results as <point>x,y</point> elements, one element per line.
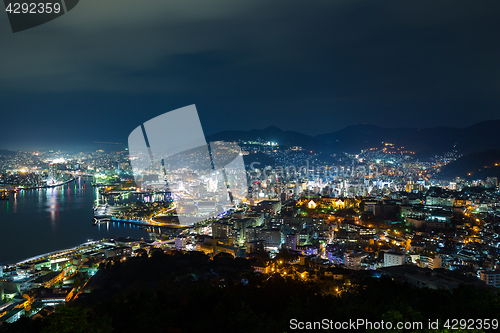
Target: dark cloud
<point>308,66</point>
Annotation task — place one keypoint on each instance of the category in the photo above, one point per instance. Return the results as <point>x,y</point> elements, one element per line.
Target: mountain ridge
<point>352,139</point>
<point>477,165</point>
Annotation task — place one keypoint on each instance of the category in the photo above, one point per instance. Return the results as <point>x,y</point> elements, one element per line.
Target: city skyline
<point>260,166</point>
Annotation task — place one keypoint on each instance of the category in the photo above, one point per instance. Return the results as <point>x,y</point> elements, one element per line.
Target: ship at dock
<point>100,212</point>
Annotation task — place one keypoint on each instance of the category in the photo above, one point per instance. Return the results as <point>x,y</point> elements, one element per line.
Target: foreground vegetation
<point>189,292</point>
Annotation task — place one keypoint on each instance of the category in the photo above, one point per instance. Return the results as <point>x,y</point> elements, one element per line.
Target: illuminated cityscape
<point>381,212</point>
<point>249,166</point>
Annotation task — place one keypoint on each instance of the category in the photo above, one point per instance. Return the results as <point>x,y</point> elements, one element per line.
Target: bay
<point>33,222</point>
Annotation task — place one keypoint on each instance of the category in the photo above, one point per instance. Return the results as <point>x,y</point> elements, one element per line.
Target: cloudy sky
<point>105,67</point>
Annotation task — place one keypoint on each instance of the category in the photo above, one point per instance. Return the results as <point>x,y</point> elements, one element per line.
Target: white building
<point>394,259</point>
<point>492,278</point>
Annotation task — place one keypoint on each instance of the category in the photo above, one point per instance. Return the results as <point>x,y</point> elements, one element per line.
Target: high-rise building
<point>51,179</point>
<point>291,241</point>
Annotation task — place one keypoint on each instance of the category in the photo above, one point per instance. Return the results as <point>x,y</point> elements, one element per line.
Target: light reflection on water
<point>38,221</point>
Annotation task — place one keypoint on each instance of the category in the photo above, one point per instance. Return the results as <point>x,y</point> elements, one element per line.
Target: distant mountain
<point>429,141</point>
<point>7,152</point>
<point>479,137</point>
<point>477,165</point>
<point>425,142</point>
<point>272,134</point>
<point>354,138</point>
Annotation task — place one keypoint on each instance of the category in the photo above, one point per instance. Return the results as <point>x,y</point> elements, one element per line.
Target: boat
<point>4,195</point>
<point>96,221</point>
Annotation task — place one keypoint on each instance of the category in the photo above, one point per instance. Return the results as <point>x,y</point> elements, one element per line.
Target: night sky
<point>104,68</point>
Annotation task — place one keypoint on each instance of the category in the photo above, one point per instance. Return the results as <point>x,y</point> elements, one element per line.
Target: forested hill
<point>478,165</point>
<point>192,293</point>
